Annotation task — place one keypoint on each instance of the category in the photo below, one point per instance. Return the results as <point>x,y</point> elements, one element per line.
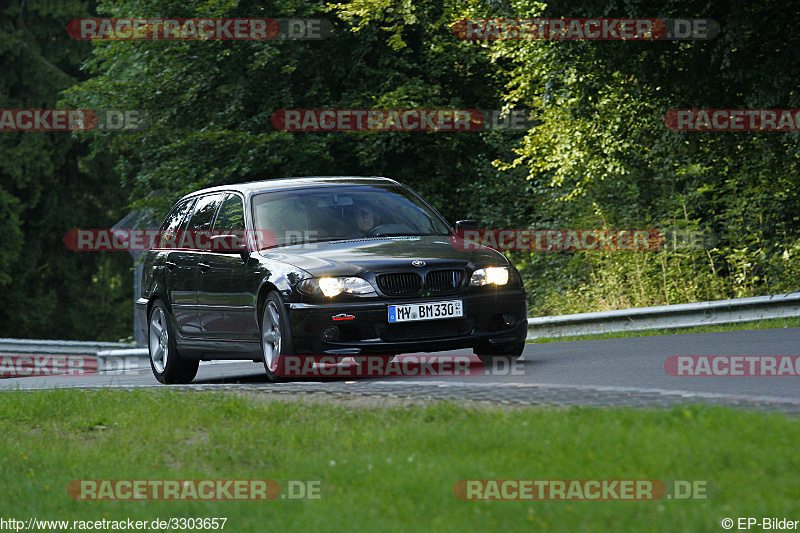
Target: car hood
<point>381,254</point>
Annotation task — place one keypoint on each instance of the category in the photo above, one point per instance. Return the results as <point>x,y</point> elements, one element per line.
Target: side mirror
<point>462,225</point>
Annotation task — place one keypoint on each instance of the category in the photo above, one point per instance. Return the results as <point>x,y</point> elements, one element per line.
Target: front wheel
<point>168,366</point>
<point>276,337</point>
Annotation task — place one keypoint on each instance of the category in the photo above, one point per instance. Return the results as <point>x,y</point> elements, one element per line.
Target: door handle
<point>204,266</point>
<point>170,265</point>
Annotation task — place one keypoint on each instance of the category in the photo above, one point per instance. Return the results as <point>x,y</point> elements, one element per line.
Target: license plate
<point>425,311</point>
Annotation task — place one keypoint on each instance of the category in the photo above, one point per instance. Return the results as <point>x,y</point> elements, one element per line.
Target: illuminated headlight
<point>331,287</point>
<point>486,276</point>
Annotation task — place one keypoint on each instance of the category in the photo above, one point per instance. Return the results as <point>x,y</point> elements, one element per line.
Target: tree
<point>211,102</point>
<point>47,186</point>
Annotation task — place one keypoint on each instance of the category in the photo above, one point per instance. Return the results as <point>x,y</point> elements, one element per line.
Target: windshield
<point>342,213</point>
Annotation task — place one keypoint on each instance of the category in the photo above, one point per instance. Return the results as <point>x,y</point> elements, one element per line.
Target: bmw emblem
<point>418,263</point>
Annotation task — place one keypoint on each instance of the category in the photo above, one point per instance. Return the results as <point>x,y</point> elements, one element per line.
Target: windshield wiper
<point>405,234</point>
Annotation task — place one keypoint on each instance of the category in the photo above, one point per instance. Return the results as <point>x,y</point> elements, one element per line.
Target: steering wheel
<point>379,229</point>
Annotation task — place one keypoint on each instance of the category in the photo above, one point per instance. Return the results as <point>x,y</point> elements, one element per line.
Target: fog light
<point>331,333</point>
<point>510,319</point>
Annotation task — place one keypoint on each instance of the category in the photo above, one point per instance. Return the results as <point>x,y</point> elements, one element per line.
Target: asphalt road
<point>613,372</point>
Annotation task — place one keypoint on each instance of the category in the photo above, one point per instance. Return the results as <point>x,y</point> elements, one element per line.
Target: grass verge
<point>390,468</point>
<point>759,324</point>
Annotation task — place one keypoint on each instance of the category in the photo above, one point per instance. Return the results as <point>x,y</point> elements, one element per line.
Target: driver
<point>365,219</point>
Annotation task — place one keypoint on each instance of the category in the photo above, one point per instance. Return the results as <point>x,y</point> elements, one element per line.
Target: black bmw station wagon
<point>320,266</point>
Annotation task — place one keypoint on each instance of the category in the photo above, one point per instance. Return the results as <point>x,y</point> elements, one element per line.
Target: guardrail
<point>57,347</point>
<point>667,316</point>
<point>109,355</point>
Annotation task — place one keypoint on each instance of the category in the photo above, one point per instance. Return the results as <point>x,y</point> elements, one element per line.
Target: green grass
<point>390,469</point>
<point>759,324</point>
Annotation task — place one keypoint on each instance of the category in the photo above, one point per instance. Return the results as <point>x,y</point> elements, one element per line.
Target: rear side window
<point>204,211</point>
<point>231,216</point>
<point>175,221</point>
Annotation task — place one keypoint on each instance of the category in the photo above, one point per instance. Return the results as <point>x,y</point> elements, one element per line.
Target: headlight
<point>331,287</point>
<point>486,276</point>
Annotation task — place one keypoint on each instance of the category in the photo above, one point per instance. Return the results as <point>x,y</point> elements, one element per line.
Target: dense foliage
<point>49,186</point>
<point>599,156</point>
<point>603,151</point>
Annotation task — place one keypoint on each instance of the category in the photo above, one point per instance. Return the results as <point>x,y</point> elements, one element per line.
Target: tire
<point>167,364</point>
<point>509,353</point>
<point>276,337</point>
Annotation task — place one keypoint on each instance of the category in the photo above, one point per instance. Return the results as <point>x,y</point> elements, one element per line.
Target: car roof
<point>281,184</point>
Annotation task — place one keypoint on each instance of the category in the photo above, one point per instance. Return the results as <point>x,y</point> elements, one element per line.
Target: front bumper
<point>369,332</point>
